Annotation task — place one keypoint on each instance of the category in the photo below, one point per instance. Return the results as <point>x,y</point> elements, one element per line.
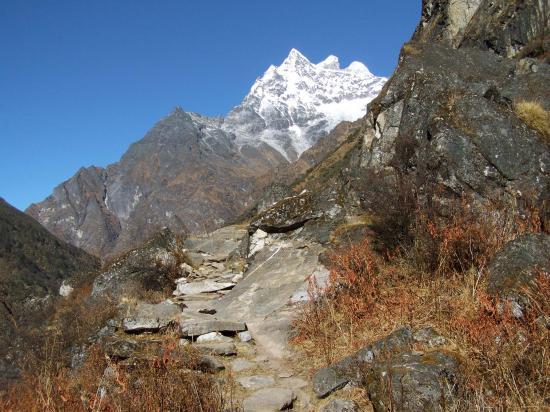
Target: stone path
<point>235,305</point>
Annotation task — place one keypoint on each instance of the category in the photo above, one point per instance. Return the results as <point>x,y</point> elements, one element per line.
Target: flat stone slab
<point>269,400</point>
<point>193,328</point>
<point>204,286</point>
<point>146,317</point>
<point>256,382</point>
<point>218,349</point>
<point>239,365</point>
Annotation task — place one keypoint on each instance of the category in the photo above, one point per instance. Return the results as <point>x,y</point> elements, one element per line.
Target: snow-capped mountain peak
<point>331,63</point>
<point>293,105</point>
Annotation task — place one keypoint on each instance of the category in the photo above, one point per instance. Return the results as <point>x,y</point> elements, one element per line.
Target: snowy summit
<point>293,105</point>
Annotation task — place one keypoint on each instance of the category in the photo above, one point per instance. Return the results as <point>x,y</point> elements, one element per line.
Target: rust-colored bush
<point>167,382</point>
<point>440,281</point>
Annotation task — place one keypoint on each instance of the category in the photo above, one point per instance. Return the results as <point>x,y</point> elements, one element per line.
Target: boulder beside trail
<point>395,374</point>
<point>516,265</point>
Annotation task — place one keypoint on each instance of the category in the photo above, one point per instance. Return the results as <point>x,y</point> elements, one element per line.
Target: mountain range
<point>193,173</point>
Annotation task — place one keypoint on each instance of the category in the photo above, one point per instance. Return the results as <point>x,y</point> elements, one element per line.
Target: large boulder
<point>516,266</point>
<point>351,368</point>
<point>395,374</point>
<point>413,382</point>
<point>153,266</point>
<point>287,214</point>
<point>145,317</point>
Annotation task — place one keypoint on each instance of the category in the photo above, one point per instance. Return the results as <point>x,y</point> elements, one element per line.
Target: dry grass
<point>164,378</point>
<point>167,382</point>
<point>409,49</point>
<point>505,363</point>
<point>535,116</point>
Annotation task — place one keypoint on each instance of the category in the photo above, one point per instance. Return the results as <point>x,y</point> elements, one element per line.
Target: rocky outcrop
<point>445,122</point>
<point>153,266</point>
<point>504,27</point>
<point>34,265</point>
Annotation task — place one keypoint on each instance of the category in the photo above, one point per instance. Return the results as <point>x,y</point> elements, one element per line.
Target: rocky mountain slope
<point>445,131</point>
<point>193,173</point>
<point>33,266</point>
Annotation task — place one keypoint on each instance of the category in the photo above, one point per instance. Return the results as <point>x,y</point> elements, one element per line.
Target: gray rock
<point>351,368</point>
<point>514,267</point>
<point>148,267</point>
<point>413,382</point>
<point>193,259</point>
<point>244,336</point>
<point>269,400</point>
<point>205,286</point>
<point>239,365</point>
<point>286,215</point>
<point>145,317</point>
<point>330,379</point>
<point>219,349</point>
<point>210,364</point>
<point>190,327</point>
<point>213,337</point>
<point>256,382</point>
<point>429,337</point>
<point>340,405</point>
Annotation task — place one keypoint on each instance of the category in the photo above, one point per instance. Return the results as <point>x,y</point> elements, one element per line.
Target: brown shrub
<point>439,281</point>
<point>164,382</point>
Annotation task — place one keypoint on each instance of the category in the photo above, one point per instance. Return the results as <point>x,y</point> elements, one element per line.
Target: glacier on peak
<point>295,104</point>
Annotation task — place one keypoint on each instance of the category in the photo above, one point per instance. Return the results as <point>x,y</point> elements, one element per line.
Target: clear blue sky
<point>82,79</point>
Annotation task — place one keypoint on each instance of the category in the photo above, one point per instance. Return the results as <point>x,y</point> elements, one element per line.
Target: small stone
<point>208,311</point>
<point>260,234</point>
<point>183,343</point>
<point>213,337</point>
<point>340,405</point>
<point>256,382</point>
<point>237,278</point>
<point>110,373</point>
<point>65,289</point>
<point>244,336</point>
<point>269,399</point>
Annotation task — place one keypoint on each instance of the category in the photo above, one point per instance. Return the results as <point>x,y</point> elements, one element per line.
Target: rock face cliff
<point>33,267</point>
<point>194,173</point>
<point>448,117</point>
